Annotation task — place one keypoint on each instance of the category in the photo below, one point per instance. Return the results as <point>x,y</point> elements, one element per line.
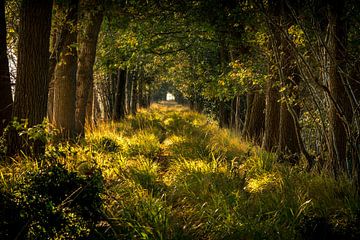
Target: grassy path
<point>181,177</point>
<point>170,173</point>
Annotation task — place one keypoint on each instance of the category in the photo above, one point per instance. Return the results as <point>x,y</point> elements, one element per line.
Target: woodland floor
<point>170,173</point>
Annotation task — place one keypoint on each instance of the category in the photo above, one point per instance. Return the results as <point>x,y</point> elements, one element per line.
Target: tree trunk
<point>288,142</point>
<point>91,15</point>
<point>127,91</point>
<point>32,73</point>
<point>65,75</point>
<point>289,109</point>
<point>255,127</point>
<point>134,95</point>
<point>272,105</point>
<point>119,105</point>
<point>54,45</point>
<point>224,114</point>
<point>141,90</point>
<point>249,101</point>
<point>237,114</point>
<point>5,83</point>
<point>340,112</point>
<point>272,116</point>
<point>90,107</point>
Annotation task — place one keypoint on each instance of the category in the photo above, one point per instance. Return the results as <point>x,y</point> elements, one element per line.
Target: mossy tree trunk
<point>90,19</point>
<point>65,73</point>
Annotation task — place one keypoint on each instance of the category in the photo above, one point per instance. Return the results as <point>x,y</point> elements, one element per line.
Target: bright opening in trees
<point>170,97</point>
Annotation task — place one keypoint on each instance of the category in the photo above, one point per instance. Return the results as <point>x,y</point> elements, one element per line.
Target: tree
<point>255,118</point>
<point>134,93</point>
<point>272,105</point>
<point>91,15</point>
<point>5,83</point>
<point>119,104</point>
<point>65,72</point>
<point>32,81</point>
<point>272,117</point>
<point>340,111</point>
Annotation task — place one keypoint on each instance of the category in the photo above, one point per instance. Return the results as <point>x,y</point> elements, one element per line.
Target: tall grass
<point>170,173</point>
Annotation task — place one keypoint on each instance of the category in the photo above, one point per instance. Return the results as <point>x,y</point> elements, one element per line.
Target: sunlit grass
<point>171,173</point>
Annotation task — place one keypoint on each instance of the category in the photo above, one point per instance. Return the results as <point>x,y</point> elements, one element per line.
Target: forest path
<point>171,173</point>
<point>171,169</point>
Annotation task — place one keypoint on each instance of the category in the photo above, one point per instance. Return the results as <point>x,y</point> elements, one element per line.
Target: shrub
<point>54,203</point>
<point>11,221</point>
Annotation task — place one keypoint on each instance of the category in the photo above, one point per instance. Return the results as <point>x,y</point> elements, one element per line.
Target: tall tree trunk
<point>237,114</point>
<point>289,109</point>
<point>272,105</point>
<point>119,105</point>
<point>134,95</point>
<point>288,73</point>
<point>249,101</point>
<point>288,141</point>
<point>91,15</point>
<point>54,50</point>
<point>90,107</point>
<point>96,109</point>
<point>5,83</point>
<point>255,127</point>
<point>141,90</point>
<point>340,112</point>
<point>65,74</point>
<point>127,91</point>
<point>272,116</point>
<point>224,114</point>
<point>32,73</point>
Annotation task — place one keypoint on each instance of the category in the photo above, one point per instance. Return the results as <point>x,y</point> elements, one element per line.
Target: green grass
<point>170,173</point>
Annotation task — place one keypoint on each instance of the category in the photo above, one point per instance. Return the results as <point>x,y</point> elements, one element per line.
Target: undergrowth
<point>170,173</point>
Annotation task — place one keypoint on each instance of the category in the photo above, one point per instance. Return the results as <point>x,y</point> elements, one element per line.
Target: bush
<point>54,203</point>
<point>11,222</point>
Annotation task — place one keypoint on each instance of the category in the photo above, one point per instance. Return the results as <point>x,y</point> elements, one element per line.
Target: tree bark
<point>249,102</point>
<point>289,109</point>
<point>237,114</point>
<point>65,74</point>
<point>288,142</point>
<point>32,73</point>
<point>90,114</point>
<point>134,95</point>
<point>119,110</point>
<point>5,83</point>
<point>224,114</point>
<point>255,127</point>
<point>127,91</point>
<point>91,15</point>
<point>340,112</point>
<point>272,116</point>
<point>272,102</point>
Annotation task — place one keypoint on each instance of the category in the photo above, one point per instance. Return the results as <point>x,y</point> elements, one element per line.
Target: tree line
<point>284,74</point>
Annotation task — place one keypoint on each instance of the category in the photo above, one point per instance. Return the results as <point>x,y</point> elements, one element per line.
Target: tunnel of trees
<point>282,74</point>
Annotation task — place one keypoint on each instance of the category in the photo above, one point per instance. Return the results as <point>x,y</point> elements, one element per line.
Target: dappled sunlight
<point>170,173</point>
<point>265,182</point>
